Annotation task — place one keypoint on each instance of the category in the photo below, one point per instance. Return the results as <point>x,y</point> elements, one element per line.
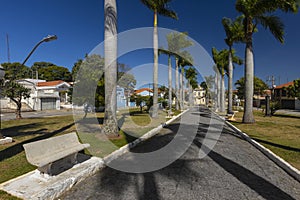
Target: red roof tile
<point>142,90</point>
<point>49,83</point>
<point>285,85</point>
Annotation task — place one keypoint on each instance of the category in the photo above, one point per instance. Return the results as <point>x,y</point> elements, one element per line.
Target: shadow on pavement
<point>255,182</point>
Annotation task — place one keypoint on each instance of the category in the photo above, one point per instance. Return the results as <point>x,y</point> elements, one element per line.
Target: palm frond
<point>274,24</point>
<point>161,7</point>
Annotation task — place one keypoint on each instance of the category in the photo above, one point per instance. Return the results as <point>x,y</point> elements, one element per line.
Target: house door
<point>48,103</point>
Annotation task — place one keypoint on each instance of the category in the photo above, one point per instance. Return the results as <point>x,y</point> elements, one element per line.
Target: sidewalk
<point>234,169</point>
<point>287,112</point>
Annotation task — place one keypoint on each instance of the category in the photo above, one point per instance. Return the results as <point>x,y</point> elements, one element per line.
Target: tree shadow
<point>244,175</point>
<point>21,130</point>
<point>286,116</point>
<point>277,145</point>
<point>112,184</point>
<point>18,148</point>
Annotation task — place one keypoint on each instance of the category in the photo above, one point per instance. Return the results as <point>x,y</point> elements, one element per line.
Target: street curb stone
<point>114,155</point>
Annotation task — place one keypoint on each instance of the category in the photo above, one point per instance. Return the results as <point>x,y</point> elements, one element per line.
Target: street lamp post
<point>45,39</point>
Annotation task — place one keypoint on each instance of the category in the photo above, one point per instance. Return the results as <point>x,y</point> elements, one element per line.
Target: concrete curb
<point>114,155</point>
<point>292,171</point>
<point>34,186</point>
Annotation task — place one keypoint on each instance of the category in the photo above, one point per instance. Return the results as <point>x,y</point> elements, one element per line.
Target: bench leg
<point>46,169</point>
<point>74,158</point>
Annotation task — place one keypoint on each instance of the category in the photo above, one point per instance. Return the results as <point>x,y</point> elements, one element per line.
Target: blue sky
<point>79,27</point>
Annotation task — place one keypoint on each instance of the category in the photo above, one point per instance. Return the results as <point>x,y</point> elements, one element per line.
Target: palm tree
<point>184,59</point>
<point>169,54</point>
<point>222,62</point>
<point>158,7</point>
<point>110,52</point>
<point>191,76</point>
<point>177,42</point>
<point>234,33</point>
<point>259,12</point>
<point>219,58</point>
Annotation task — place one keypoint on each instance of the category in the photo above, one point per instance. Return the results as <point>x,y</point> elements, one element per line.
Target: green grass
<point>5,196</point>
<point>280,134</point>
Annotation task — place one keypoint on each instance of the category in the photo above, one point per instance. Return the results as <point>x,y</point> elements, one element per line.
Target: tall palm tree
<point>259,12</point>
<point>191,76</point>
<point>219,58</point>
<point>176,43</point>
<point>234,33</point>
<point>222,62</point>
<point>110,53</point>
<point>169,54</point>
<point>184,59</point>
<point>158,7</point>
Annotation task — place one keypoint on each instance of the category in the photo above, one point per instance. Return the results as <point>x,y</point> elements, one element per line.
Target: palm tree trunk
<point>176,84</point>
<point>249,76</point>
<point>155,68</point>
<point>190,94</point>
<point>182,88</point>
<point>222,95</point>
<point>218,90</point>
<point>170,85</point>
<point>230,76</point>
<point>110,53</point>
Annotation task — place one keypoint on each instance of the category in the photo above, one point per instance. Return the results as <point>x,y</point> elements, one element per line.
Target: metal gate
<point>48,103</point>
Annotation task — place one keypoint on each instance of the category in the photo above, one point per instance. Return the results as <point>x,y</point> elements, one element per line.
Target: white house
<point>46,95</point>
<point>199,96</point>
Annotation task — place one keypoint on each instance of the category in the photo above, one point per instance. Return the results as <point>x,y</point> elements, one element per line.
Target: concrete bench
<point>44,153</point>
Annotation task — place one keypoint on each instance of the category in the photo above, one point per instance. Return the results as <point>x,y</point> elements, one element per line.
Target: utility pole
<point>8,50</point>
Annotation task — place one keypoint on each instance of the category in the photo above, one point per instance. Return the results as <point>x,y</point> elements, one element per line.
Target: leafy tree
<point>89,81</point>
<point>16,93</point>
<point>259,12</point>
<point>158,7</point>
<point>76,68</point>
<point>259,87</point>
<point>16,71</point>
<point>51,72</point>
<point>294,90</point>
<point>139,100</point>
<point>12,89</point>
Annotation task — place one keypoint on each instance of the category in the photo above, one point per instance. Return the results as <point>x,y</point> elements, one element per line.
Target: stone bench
<point>44,153</point>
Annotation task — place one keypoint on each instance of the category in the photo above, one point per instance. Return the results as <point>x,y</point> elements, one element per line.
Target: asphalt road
<point>233,169</point>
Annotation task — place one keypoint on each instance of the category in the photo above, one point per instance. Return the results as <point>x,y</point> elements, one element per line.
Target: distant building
<point>46,95</point>
<point>121,98</point>
<point>199,96</point>
<point>286,102</point>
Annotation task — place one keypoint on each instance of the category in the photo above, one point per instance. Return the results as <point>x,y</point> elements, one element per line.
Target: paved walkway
<point>287,112</point>
<point>234,169</point>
